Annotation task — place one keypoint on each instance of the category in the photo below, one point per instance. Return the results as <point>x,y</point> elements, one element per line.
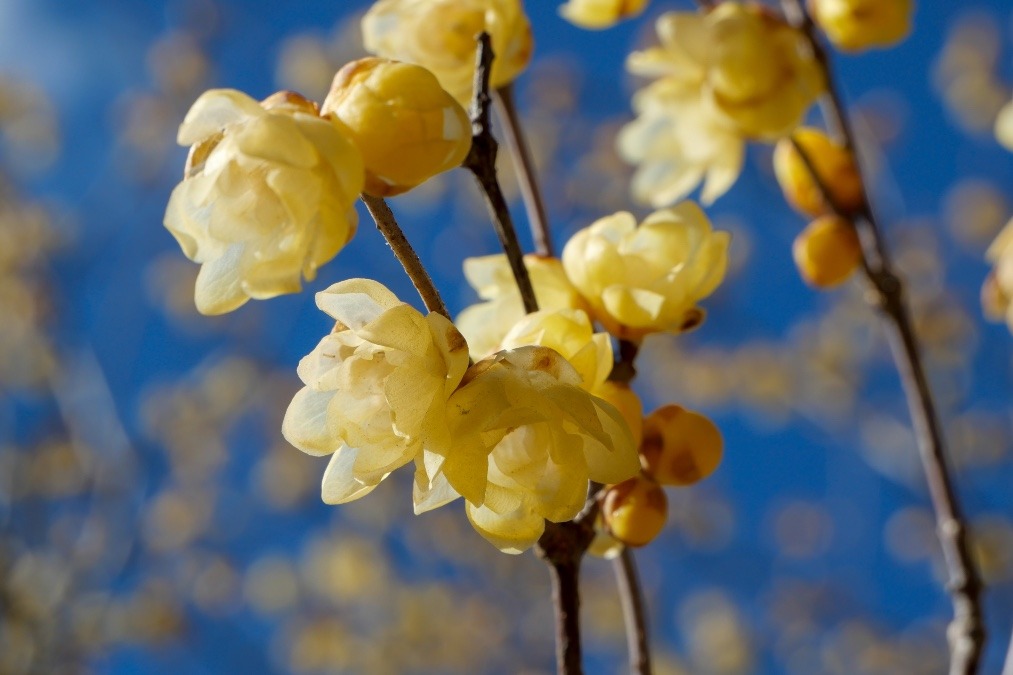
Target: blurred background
<point>153,520</point>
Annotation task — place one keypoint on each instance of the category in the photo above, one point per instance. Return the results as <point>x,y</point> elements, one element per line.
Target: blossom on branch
<point>267,197</point>
<point>732,74</point>
<point>648,279</point>
<point>998,289</point>
<point>406,126</point>
<point>485,324</point>
<point>376,388</point>
<point>527,438</point>
<point>597,14</point>
<point>440,35</point>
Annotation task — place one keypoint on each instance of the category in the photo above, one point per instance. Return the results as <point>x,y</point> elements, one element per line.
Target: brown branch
<point>403,251</point>
<point>562,546</point>
<point>967,630</point>
<point>481,161</point>
<point>631,597</point>
<point>524,166</point>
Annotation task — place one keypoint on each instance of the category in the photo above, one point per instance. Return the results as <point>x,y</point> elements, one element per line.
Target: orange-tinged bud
<point>680,447</point>
<point>834,165</point>
<point>627,403</point>
<point>635,510</point>
<point>406,126</point>
<point>827,251</point>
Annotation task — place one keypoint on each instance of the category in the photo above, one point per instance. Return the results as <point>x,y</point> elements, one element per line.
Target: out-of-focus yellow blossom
<point>267,196</point>
<point>596,14</point>
<point>827,251</point>
<point>998,289</point>
<point>486,324</point>
<point>526,441</point>
<point>647,279</point>
<point>680,447</point>
<point>441,35</point>
<point>855,25</point>
<point>376,388</point>
<point>635,511</point>
<point>1004,126</point>
<point>834,165</point>
<point>731,74</point>
<point>679,140</point>
<point>406,126</point>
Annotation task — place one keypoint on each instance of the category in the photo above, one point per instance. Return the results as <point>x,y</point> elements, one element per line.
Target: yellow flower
<point>268,195</point>
<point>647,279</point>
<point>600,13</point>
<point>730,74</point>
<point>635,511</point>
<point>1004,126</point>
<point>441,35</point>
<point>526,441</point>
<point>834,165</point>
<point>999,287</point>
<point>854,25</point>
<point>376,388</point>
<point>486,323</point>
<point>406,126</point>
<point>680,447</point>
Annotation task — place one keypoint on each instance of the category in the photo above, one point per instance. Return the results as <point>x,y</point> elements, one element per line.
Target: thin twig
<point>966,632</point>
<point>481,161</point>
<point>524,166</point>
<point>406,255</point>
<point>634,613</point>
<point>562,546</point>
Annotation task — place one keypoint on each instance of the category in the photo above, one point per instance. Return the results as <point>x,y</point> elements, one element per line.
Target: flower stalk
<point>524,166</point>
<point>967,630</point>
<point>406,255</point>
<point>634,612</point>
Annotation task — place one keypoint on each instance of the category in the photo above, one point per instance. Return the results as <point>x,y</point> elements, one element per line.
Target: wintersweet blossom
<point>267,196</point>
<point>833,163</point>
<point>486,323</point>
<point>1004,126</point>
<point>641,280</point>
<point>440,35</point>
<point>406,126</point>
<point>376,388</point>
<point>998,289</point>
<point>855,25</point>
<point>731,74</point>
<point>596,14</point>
<point>527,438</point>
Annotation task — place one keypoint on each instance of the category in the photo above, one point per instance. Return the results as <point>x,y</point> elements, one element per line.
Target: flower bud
<point>635,511</point>
<point>597,14</point>
<point>827,251</point>
<point>680,447</point>
<point>406,126</point>
<point>834,165</point>
<point>855,25</point>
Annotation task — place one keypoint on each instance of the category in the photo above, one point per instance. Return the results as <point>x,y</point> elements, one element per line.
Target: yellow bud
<point>680,447</point>
<point>406,126</point>
<point>597,14</point>
<point>635,510</point>
<point>827,251</point>
<point>834,165</point>
<point>627,403</point>
<point>854,25</point>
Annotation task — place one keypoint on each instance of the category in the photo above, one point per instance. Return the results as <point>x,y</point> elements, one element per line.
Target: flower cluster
<point>730,74</point>
<point>518,434</point>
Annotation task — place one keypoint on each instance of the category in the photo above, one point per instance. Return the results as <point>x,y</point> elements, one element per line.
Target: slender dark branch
<point>524,166</point>
<point>623,370</point>
<point>967,630</point>
<point>631,597</point>
<point>562,546</point>
<point>481,161</point>
<point>391,231</point>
